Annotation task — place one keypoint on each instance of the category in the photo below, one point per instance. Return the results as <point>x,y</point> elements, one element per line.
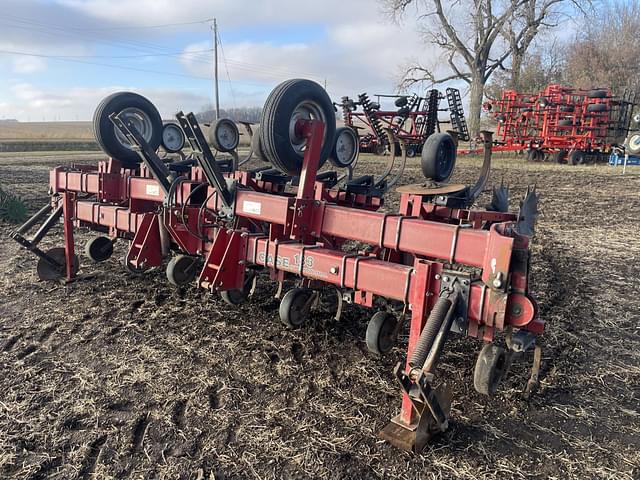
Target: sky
<point>60,57</point>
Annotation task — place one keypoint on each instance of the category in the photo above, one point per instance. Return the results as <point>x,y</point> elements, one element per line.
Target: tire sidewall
<point>105,132</point>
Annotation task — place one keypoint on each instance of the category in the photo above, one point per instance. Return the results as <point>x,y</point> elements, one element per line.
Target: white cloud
<point>27,65</point>
<point>30,102</point>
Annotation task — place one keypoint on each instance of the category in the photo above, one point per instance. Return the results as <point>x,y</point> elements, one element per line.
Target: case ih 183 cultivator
<point>569,124</point>
<point>438,263</point>
<point>413,122</point>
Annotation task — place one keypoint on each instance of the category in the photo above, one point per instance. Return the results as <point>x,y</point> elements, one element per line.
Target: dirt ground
<point>117,376</point>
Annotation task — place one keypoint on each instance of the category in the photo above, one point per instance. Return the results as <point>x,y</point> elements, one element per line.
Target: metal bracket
<point>158,169</point>
<point>223,186</point>
<point>454,280</point>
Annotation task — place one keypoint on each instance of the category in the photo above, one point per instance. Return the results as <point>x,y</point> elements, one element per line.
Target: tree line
<point>498,44</point>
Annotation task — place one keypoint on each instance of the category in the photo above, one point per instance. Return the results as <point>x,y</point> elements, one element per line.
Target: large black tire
<point>567,108</point>
<point>340,148</point>
<point>565,122</point>
<point>560,156</point>
<point>438,157</point>
<point>145,114</point>
<point>596,107</point>
<point>289,101</point>
<point>577,157</point>
<point>597,94</point>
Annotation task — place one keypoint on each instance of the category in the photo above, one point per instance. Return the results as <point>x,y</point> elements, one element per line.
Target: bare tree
<point>477,38</point>
<point>605,52</point>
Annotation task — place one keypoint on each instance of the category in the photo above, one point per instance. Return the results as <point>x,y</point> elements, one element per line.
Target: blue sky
<point>60,57</point>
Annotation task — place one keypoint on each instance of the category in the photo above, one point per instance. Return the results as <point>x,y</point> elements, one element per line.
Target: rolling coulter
<point>415,119</point>
<point>568,124</point>
<point>435,267</point>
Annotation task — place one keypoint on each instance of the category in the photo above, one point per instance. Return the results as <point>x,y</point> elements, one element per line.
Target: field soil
<point>119,376</point>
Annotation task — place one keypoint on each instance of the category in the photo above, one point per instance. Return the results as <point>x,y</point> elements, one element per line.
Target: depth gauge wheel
<point>381,334</point>
<point>491,367</point>
<point>181,270</point>
<point>224,135</point>
<point>295,307</point>
<point>560,156</point>
<point>46,271</point>
<point>237,297</point>
<point>633,143</point>
<point>438,157</point>
<point>99,249</point>
<point>411,151</point>
<point>289,102</point>
<point>345,148</point>
<point>140,111</point>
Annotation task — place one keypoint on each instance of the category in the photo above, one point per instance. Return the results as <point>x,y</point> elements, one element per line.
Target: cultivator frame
<point>414,121</point>
<point>451,268</point>
<point>568,123</point>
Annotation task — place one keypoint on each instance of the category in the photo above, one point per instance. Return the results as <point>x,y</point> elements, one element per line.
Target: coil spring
<point>370,113</point>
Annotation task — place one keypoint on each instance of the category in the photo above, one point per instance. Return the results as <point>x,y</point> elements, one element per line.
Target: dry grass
<point>46,131</point>
<point>121,377</point>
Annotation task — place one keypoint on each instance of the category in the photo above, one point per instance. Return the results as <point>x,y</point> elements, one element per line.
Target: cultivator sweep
<point>438,263</point>
<point>413,122</point>
<point>568,124</point>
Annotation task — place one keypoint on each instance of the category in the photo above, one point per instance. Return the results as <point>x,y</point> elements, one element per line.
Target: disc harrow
<point>452,268</point>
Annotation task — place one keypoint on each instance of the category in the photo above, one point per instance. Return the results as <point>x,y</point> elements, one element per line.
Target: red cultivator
<point>568,123</point>
<point>412,123</point>
<point>445,266</point>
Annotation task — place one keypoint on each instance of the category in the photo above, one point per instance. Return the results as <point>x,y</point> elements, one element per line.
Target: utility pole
<point>215,67</point>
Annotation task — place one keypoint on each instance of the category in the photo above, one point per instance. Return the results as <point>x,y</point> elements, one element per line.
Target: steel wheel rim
<point>305,110</point>
<point>634,141</point>
<point>141,121</point>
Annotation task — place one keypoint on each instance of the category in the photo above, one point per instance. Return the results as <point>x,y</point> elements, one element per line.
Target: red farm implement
<point>565,123</point>
<point>435,267</point>
<point>414,120</point>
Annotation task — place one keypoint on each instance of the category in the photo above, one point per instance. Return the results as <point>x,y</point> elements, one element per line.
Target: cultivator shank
<point>453,268</point>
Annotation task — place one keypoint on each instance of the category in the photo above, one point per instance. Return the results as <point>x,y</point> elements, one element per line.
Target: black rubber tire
<point>596,107</point>
<point>131,269</point>
<point>256,146</point>
<point>539,156</point>
<point>577,157</point>
<point>47,272</point>
<point>237,297</point>
<point>501,118</point>
<point>565,122</point>
<point>560,157</point>
<point>333,157</point>
<point>213,139</point>
<point>99,249</point>
<point>567,109</point>
<point>490,369</point>
<point>543,102</point>
<point>411,151</point>
<point>276,117</point>
<point>632,144</point>
<point>597,94</point>
<point>379,149</point>
<point>381,334</point>
<point>104,129</point>
<point>438,157</point>
<point>401,102</point>
<point>294,307</point>
<point>181,270</point>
